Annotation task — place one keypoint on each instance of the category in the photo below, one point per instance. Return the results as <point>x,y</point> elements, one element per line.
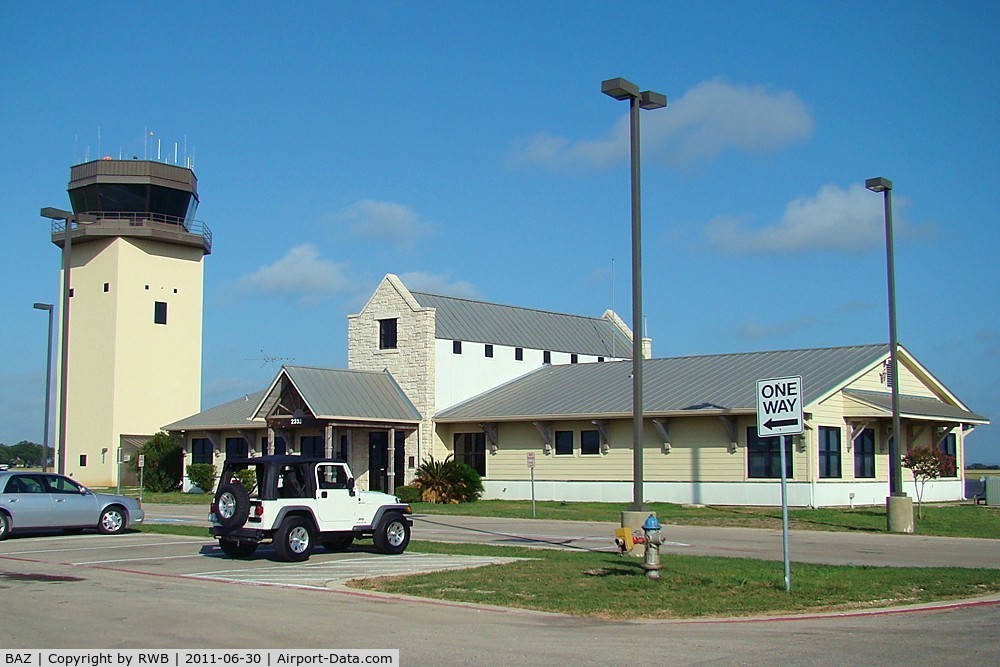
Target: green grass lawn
<point>605,585</point>
<point>610,586</point>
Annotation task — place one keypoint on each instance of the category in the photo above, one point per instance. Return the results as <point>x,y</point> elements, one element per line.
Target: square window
<point>160,312</point>
<point>83,460</point>
<point>564,443</point>
<point>387,330</point>
<point>764,455</point>
<point>829,451</point>
<point>107,287</point>
<point>489,350</point>
<point>71,291</point>
<point>573,358</point>
<point>546,357</point>
<point>864,455</point>
<point>518,354</point>
<point>590,442</point>
<point>600,360</point>
<point>456,347</point>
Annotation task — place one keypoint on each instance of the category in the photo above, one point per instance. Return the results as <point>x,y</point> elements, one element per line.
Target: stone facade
<point>411,362</point>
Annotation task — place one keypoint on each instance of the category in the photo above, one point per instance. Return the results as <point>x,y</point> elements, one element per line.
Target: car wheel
<point>231,505</point>
<point>295,539</point>
<point>4,526</point>
<point>236,548</point>
<point>113,520</point>
<point>338,541</point>
<point>392,534</point>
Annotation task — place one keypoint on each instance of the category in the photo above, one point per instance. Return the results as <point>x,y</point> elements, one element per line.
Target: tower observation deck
<point>135,198</point>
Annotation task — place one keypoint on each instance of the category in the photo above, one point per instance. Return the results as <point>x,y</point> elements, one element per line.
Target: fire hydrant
<point>652,541</point>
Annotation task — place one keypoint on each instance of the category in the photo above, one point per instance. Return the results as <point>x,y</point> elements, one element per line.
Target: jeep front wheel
<point>294,540</point>
<point>392,534</point>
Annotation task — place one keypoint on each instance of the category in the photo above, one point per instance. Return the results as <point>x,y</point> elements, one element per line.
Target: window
<point>829,452</point>
<point>387,334</point>
<point>59,484</point>
<point>573,358</point>
<point>949,447</point>
<point>456,347</point>
<point>518,354</point>
<point>564,443</point>
<point>546,357</point>
<point>160,312</point>
<point>312,445</point>
<point>600,360</point>
<point>864,455</point>
<point>107,287</point>
<point>590,442</point>
<point>764,457</point>
<point>237,448</point>
<point>201,450</point>
<point>470,449</point>
<point>83,460</point>
<point>72,292</point>
<point>488,351</point>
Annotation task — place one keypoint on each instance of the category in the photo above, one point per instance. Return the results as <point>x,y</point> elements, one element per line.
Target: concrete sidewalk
<point>806,546</point>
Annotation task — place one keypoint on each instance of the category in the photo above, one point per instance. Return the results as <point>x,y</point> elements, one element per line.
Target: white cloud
<point>385,222</point>
<point>437,283</point>
<point>712,117</point>
<point>837,219</point>
<point>301,272</point>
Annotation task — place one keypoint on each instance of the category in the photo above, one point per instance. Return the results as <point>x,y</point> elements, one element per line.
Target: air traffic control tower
<point>135,311</point>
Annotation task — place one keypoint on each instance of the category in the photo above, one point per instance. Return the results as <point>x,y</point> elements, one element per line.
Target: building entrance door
<point>378,461</point>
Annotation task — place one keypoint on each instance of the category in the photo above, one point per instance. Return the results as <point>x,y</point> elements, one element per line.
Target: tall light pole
<point>620,89</point>
<point>67,250</point>
<point>48,384</point>
<point>898,518</point>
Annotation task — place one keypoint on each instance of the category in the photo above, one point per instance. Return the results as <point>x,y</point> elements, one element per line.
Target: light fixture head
<point>878,184</point>
<point>620,89</point>
<point>650,100</point>
<point>43,306</point>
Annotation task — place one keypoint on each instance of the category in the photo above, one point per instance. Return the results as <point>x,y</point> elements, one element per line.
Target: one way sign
<point>779,406</point>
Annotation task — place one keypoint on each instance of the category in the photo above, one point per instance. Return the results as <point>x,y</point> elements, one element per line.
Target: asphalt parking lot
<point>201,558</point>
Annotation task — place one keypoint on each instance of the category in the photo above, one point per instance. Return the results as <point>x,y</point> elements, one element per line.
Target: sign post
<point>531,467</point>
<point>142,464</point>
<point>779,414</point>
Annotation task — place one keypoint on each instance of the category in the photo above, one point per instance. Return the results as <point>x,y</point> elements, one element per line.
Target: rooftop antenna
<point>268,360</point>
<point>613,351</point>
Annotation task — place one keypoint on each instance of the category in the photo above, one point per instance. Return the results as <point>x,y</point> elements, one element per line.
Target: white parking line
<point>108,546</point>
<point>136,560</point>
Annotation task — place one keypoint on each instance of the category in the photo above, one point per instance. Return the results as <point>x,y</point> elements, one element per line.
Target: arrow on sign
<point>778,423</point>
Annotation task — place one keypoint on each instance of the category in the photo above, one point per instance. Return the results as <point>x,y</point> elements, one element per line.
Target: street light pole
<point>48,384</point>
<point>67,250</point>
<point>897,516</point>
<point>620,89</point>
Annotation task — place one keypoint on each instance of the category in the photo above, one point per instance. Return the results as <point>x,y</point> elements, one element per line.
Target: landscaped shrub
<point>164,463</point>
<point>447,481</point>
<point>203,476</point>
<point>408,494</point>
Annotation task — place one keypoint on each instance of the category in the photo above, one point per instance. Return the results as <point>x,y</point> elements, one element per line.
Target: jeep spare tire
<point>231,505</point>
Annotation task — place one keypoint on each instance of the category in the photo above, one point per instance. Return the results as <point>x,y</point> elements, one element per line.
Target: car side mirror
<point>350,485</point>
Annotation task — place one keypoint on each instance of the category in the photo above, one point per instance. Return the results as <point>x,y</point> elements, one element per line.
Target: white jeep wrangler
<point>295,501</point>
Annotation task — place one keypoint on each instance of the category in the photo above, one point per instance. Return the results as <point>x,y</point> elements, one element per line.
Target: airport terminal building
<point>432,375</point>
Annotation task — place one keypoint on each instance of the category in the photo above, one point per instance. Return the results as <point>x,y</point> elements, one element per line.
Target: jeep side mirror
<point>350,485</point>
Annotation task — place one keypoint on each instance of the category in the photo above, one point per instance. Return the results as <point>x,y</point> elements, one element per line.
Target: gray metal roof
<point>915,406</point>
<point>334,393</point>
<point>481,322</point>
<point>232,415</point>
<point>724,383</point>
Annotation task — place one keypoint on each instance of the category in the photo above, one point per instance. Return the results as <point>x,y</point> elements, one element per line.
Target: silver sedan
<point>34,500</point>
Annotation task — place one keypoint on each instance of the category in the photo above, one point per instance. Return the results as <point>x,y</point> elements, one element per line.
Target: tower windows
<point>488,351</point>
<point>160,312</point>
<point>107,287</point>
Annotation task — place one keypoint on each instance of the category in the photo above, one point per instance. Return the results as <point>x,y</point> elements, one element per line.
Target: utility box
<point>992,489</point>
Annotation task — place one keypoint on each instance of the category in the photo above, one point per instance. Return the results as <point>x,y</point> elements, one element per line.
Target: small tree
<point>927,463</point>
<point>447,481</point>
<point>164,463</point>
<point>203,476</point>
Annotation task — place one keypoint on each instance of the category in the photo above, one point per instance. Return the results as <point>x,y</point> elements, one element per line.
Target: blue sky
<point>467,148</point>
